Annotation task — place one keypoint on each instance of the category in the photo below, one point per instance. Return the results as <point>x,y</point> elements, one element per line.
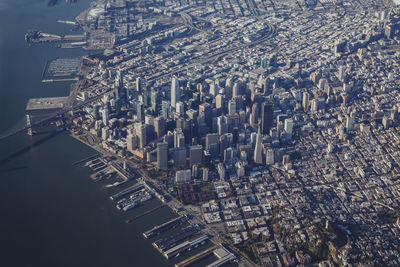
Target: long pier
<point>126,191</point>
<point>52,117</point>
<point>145,213</point>
<point>165,226</point>
<point>197,257</point>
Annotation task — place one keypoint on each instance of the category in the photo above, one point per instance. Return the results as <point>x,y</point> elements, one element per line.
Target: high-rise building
<point>165,109</point>
<point>140,112</point>
<point>131,142</point>
<point>179,138</point>
<point>270,159</point>
<point>205,174</point>
<point>232,106</point>
<point>105,114</point>
<point>179,156</point>
<point>306,101</point>
<point>159,126</point>
<point>288,126</point>
<point>267,117</point>
<point>258,149</point>
<point>175,92</point>
<point>212,144</point>
<point>195,155</point>
<point>141,133</point>
<point>162,156</point>
<point>139,84</point>
<point>180,108</point>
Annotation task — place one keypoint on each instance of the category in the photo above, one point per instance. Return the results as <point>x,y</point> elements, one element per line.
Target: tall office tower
<point>314,105</point>
<point>288,126</point>
<point>179,156</point>
<point>205,174</point>
<point>205,113</point>
<point>139,84</point>
<point>179,138</point>
<point>255,114</point>
<point>270,159</point>
<point>165,109</point>
<point>306,101</point>
<point>154,100</point>
<point>228,154</point>
<point>222,126</point>
<point>140,112</point>
<point>180,108</point>
<point>219,102</point>
<point>195,155</point>
<point>212,145</point>
<point>221,171</point>
<point>146,97</point>
<point>141,132</point>
<point>159,126</point>
<point>162,156</point>
<point>258,149</point>
<point>223,144</point>
<point>105,115</point>
<point>232,106</point>
<point>349,123</point>
<point>267,117</point>
<point>175,92</point>
<point>131,142</point>
<point>119,89</point>
<point>341,73</point>
<point>213,88</point>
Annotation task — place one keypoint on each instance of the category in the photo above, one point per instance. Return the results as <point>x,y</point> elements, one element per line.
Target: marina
<point>156,230</point>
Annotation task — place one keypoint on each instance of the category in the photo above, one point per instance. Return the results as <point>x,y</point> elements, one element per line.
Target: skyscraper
<point>175,91</point>
<point>267,117</point>
<point>159,126</point>
<point>195,155</point>
<point>105,115</point>
<point>162,156</point>
<point>258,149</point>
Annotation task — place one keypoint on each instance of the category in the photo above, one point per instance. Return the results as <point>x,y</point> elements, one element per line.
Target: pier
<point>197,257</point>
<point>46,103</point>
<point>145,213</point>
<point>165,226</point>
<point>126,191</point>
<point>166,243</point>
<point>223,255</point>
<point>187,245</point>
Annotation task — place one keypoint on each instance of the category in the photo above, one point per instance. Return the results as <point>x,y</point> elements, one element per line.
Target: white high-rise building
<point>175,92</point>
<point>105,116</point>
<point>289,126</point>
<point>180,108</point>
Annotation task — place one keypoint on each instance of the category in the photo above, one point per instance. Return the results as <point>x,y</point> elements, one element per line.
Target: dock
<point>46,103</point>
<point>197,257</point>
<point>165,226</point>
<point>164,244</point>
<point>124,173</point>
<point>126,191</point>
<point>145,213</point>
<point>69,22</point>
<point>187,245</point>
<point>85,159</point>
<point>223,255</point>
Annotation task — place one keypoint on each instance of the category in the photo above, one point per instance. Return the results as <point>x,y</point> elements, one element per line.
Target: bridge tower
<point>28,124</point>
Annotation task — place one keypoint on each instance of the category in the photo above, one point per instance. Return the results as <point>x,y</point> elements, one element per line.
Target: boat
<point>130,206</point>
